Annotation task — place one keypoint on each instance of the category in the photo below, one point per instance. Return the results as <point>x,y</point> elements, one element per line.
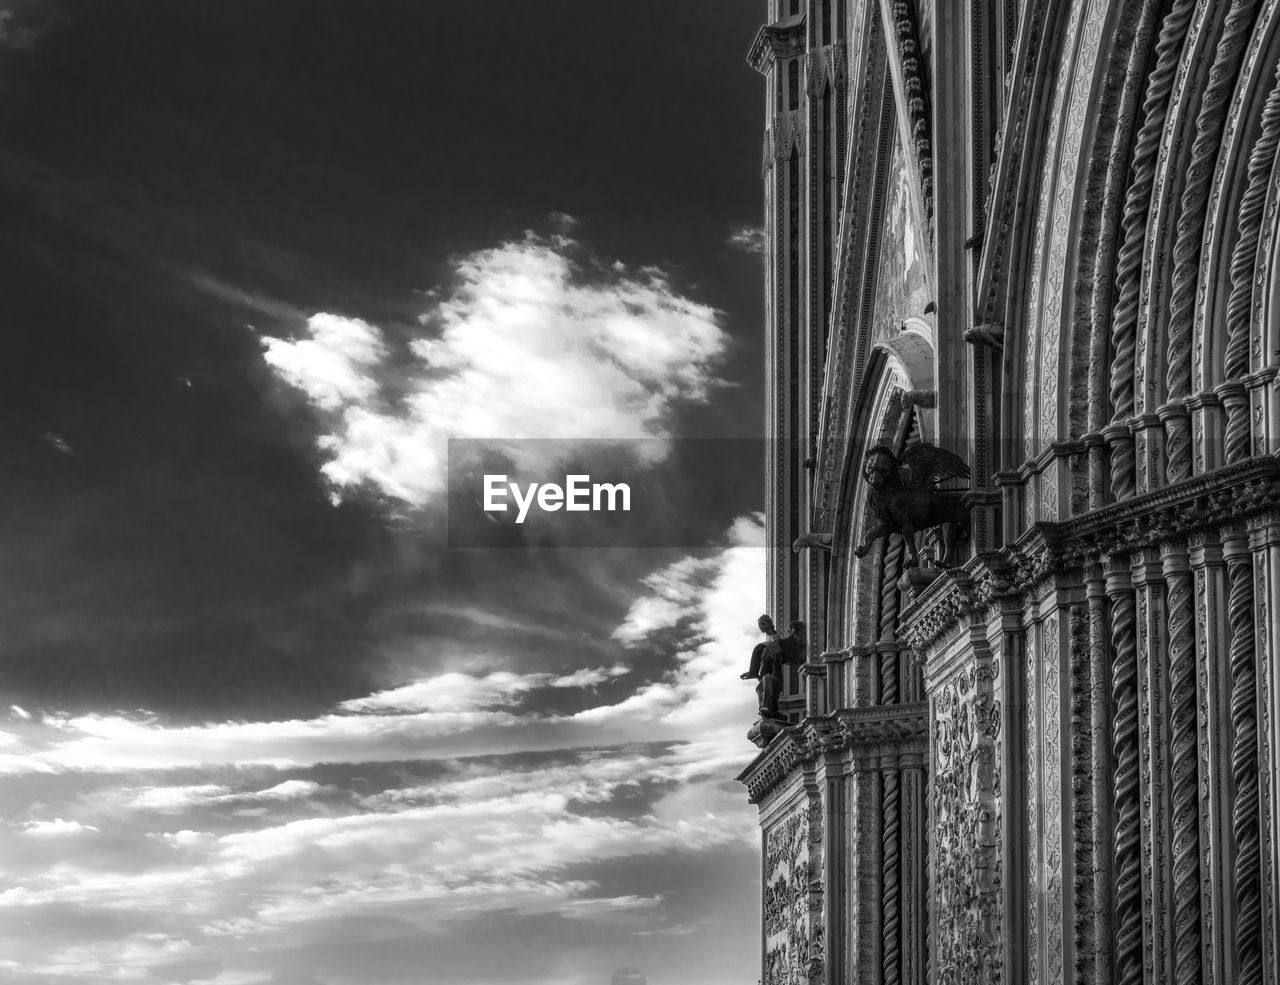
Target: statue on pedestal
<point>767,660</point>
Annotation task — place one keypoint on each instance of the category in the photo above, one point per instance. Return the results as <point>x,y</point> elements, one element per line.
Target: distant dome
<point>629,976</point>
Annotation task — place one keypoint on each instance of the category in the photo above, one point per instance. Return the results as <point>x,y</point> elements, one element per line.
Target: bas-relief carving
<point>966,822</point>
<point>902,290</point>
<point>786,900</point>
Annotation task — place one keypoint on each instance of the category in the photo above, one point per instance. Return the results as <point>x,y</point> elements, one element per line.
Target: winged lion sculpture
<point>904,497</point>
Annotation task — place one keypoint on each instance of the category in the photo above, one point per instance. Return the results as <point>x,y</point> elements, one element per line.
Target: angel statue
<point>904,497</point>
<point>767,660</point>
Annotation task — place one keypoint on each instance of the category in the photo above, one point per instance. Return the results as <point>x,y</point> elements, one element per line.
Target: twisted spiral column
<point>889,602</point>
<point>1190,232</point>
<point>1244,757</point>
<point>1124,320</point>
<point>890,869</point>
<point>1243,258</point>
<point>1125,740</point>
<point>1184,759</point>
<point>1098,958</point>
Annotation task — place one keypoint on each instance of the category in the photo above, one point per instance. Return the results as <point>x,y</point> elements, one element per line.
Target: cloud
<point>24,22</point>
<point>748,239</point>
<point>526,813</point>
<point>334,365</point>
<point>460,693</point>
<point>532,340</point>
<point>177,799</point>
<point>699,612</point>
<point>55,828</point>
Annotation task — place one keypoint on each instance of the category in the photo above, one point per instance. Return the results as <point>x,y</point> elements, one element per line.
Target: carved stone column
<point>1184,765</point>
<point>1057,879</point>
<point>1264,542</point>
<point>1177,429</point>
<point>1263,409</point>
<point>1207,424</point>
<point>1148,439</point>
<point>1014,749</point>
<point>1235,400</point>
<point>1091,710</point>
<point>1120,443</point>
<point>1126,746</point>
<point>891,877</point>
<point>1213,686</point>
<point>1153,711</point>
<point>813,679</point>
<point>864,930</point>
<point>1246,966</point>
<point>915,889</point>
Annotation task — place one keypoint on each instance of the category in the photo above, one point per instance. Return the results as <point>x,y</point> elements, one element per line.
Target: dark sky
<point>498,212</point>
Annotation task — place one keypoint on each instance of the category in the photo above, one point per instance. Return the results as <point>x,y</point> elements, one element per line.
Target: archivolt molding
<point>1129,48</point>
<point>898,389</point>
<point>1191,224</point>
<point>1224,216</point>
<point>1057,223</point>
<point>1264,332</point>
<point>1126,368</point>
<point>1013,181</point>
<point>870,147</point>
<point>1183,53</point>
<point>1202,111</point>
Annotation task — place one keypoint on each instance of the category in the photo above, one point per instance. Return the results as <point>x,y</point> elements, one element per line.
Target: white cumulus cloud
<point>528,342</point>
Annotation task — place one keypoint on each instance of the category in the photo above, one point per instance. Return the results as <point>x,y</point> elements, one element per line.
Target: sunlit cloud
<point>458,692</point>
<point>533,339</point>
<point>526,814</point>
<point>55,828</point>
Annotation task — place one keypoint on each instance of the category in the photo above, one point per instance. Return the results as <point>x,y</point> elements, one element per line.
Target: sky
<point>267,267</point>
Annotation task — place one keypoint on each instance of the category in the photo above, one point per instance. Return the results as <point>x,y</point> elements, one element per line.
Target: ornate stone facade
<point>1040,236</point>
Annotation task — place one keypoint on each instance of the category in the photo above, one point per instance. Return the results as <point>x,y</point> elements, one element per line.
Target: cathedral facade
<point>1042,237</point>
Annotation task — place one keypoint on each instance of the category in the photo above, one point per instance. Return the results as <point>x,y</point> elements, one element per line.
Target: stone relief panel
<point>786,900</point>
<point>966,824</point>
<point>902,290</point>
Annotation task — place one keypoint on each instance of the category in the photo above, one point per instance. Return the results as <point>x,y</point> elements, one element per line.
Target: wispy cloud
<point>531,814</point>
<point>748,239</point>
<point>24,22</point>
<point>55,828</point>
<point>534,339</point>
